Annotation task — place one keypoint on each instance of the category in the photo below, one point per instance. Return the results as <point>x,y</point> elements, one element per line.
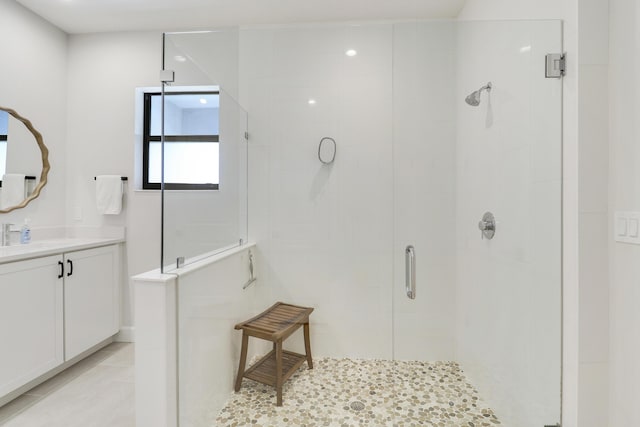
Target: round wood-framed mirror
<point>44,151</point>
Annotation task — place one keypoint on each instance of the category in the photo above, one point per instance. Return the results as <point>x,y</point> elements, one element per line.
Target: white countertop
<point>40,248</point>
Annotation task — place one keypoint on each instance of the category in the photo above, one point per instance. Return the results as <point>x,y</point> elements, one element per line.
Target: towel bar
<point>123,178</point>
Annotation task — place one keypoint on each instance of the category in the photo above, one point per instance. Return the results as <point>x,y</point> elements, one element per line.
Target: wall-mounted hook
<point>327,150</point>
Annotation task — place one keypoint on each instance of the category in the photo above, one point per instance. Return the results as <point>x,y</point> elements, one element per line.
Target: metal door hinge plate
<point>167,76</point>
<point>555,65</point>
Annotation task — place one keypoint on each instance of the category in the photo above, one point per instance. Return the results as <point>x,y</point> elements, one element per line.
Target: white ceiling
<point>89,16</point>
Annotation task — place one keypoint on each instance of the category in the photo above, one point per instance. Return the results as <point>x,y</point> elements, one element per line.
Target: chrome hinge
<point>246,136</point>
<point>180,262</point>
<point>555,65</point>
<point>167,76</point>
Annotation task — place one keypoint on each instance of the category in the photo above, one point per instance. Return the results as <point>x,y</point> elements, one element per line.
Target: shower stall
<point>429,245</point>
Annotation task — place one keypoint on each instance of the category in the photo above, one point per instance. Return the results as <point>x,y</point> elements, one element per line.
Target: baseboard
<point>126,334</point>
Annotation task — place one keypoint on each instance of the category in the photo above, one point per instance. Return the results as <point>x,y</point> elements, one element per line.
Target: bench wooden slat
<point>275,324</point>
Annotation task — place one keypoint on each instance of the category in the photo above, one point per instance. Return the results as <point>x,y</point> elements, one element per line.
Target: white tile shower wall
<point>326,235</point>
<point>34,84</point>
<point>509,163</point>
<point>424,144</point>
<point>210,302</point>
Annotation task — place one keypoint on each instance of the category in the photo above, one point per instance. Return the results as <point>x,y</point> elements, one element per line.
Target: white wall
<point>624,194</point>
<point>593,204</point>
<point>104,70</point>
<point>34,84</point>
<point>324,232</point>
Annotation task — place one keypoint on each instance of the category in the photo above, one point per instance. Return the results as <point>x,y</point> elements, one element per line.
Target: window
<point>191,150</point>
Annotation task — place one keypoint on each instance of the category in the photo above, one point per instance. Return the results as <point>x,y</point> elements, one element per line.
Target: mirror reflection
<point>24,163</point>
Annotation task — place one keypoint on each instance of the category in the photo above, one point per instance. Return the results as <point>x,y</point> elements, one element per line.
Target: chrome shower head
<point>474,98</point>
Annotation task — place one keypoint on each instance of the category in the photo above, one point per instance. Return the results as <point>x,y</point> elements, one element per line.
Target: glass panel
<point>205,144</point>
<point>486,321</point>
<point>198,224</point>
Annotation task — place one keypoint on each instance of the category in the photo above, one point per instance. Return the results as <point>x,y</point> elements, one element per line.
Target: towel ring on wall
<point>328,154</point>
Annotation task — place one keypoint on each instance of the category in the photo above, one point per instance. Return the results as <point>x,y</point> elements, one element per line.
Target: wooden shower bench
<point>275,324</point>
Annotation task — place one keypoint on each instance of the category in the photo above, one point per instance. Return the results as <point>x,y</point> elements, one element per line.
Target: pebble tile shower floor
<point>374,393</point>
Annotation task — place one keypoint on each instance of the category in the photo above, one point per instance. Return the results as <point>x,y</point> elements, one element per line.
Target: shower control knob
<point>487,226</point>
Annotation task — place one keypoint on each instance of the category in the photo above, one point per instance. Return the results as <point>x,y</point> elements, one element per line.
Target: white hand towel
<point>109,194</point>
<point>12,190</point>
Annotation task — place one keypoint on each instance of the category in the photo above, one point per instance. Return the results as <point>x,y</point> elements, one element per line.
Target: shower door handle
<point>410,271</point>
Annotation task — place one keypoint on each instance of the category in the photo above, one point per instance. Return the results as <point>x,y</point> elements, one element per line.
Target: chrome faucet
<point>6,234</point>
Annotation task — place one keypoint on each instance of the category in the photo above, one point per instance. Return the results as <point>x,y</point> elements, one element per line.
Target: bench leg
<point>307,346</point>
<point>243,360</point>
<point>278,345</point>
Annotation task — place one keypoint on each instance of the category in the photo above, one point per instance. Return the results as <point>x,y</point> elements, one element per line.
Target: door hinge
<point>555,65</point>
<point>554,425</point>
<point>246,136</point>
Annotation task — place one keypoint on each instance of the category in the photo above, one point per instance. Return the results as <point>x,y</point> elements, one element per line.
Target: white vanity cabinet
<point>53,308</point>
<point>90,298</point>
<point>31,328</point>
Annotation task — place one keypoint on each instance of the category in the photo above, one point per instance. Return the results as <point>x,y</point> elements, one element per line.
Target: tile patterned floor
<point>96,392</point>
<point>345,393</point>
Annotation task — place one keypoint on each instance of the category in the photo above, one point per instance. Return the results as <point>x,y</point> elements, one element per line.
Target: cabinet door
<point>31,326</point>
<point>90,298</point>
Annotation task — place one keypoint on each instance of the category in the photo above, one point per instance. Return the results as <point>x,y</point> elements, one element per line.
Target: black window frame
<point>147,138</point>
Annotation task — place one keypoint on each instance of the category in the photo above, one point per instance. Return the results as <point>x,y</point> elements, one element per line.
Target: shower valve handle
<point>487,226</point>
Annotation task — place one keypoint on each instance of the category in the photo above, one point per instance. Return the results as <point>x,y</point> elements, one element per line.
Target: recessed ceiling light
<point>203,101</point>
<point>312,102</point>
<point>180,58</point>
<point>524,49</point>
<point>351,52</point>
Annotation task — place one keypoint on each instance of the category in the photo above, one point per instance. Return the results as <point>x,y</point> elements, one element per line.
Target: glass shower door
<point>481,340</point>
